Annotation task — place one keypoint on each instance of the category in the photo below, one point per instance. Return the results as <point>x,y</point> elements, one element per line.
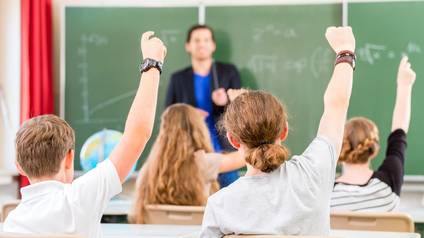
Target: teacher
<point>204,85</point>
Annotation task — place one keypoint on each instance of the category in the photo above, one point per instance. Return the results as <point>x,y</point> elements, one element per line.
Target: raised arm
<point>139,124</point>
<point>337,95</point>
<point>231,161</point>
<point>405,82</point>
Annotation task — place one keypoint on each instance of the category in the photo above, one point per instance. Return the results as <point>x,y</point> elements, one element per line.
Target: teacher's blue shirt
<point>203,92</point>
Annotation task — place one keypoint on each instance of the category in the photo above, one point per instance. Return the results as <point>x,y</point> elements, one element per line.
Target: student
<point>277,195</point>
<point>360,188</point>
<point>56,204</point>
<point>204,84</point>
<point>181,168</point>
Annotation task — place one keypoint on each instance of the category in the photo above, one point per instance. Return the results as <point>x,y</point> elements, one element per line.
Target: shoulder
<point>320,148</point>
<point>225,66</point>
<point>181,73</point>
<point>233,192</point>
<point>208,164</point>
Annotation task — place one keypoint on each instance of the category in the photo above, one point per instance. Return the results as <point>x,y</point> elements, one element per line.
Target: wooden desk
<point>168,231</point>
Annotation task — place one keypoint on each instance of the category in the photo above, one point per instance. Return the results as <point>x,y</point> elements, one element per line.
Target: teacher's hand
<point>233,93</point>
<point>219,97</point>
<point>204,114</point>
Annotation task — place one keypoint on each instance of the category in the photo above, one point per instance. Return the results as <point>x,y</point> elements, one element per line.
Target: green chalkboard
<point>385,31</point>
<point>102,53</point>
<point>281,49</point>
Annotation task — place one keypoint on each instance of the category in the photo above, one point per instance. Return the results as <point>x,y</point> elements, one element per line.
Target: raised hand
<point>340,38</point>
<point>406,76</point>
<point>233,93</point>
<point>152,47</point>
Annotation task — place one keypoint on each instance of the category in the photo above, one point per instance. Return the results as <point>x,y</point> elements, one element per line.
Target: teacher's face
<point>201,45</point>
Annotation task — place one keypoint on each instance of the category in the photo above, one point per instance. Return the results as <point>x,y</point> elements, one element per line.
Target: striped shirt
<point>381,192</point>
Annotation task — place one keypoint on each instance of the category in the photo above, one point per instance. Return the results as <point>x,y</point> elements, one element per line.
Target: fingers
<point>155,39</point>
<point>219,91</point>
<point>146,36</point>
<point>165,51</point>
<point>404,60</point>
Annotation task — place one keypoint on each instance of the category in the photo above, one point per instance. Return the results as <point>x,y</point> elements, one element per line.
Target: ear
<point>20,170</point>
<point>69,159</point>
<point>187,47</point>
<point>214,47</point>
<point>285,132</point>
<point>233,141</point>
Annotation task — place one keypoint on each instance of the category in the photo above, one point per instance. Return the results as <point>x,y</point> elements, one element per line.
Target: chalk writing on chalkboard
<point>372,53</point>
<point>270,30</point>
<point>82,52</point>
<point>319,63</point>
<point>169,37</point>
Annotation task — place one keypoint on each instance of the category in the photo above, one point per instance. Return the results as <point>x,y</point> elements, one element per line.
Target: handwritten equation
<point>372,53</point>
<point>318,63</point>
<point>169,37</point>
<point>270,30</point>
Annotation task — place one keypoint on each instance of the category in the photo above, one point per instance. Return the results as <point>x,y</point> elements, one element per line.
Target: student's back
<point>293,199</point>
<point>359,188</point>
<point>56,204</point>
<point>181,168</point>
<point>57,208</point>
<point>277,195</point>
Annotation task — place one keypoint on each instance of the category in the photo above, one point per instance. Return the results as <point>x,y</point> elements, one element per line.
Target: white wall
<point>9,78</point>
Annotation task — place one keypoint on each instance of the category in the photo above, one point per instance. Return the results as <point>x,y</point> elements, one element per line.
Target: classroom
<point>211,118</point>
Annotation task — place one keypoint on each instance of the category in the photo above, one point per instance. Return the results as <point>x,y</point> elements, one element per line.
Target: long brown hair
<point>171,174</point>
<point>257,119</point>
<point>360,142</point>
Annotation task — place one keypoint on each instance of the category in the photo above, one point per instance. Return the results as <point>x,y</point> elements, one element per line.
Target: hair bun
<point>361,153</point>
<point>267,157</point>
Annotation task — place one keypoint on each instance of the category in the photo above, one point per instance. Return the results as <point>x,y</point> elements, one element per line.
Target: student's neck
<point>58,177</point>
<point>355,173</point>
<point>251,171</point>
<point>202,67</point>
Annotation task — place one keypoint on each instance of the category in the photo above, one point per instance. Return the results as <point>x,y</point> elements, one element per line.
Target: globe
<point>98,148</point>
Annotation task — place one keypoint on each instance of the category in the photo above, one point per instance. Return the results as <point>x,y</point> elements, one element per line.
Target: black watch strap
<point>149,63</point>
<point>346,56</point>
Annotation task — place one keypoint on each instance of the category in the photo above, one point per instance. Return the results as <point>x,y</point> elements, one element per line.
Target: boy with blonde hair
<point>54,203</point>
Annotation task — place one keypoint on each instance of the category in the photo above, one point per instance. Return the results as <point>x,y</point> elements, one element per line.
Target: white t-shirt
<point>58,208</point>
<point>292,200</point>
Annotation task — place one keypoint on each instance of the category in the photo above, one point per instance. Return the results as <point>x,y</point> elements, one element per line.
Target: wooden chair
<point>7,208</point>
<point>172,214</point>
<point>372,221</point>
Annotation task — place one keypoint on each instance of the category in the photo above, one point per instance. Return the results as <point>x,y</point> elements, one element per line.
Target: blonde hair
<point>257,119</point>
<point>360,142</point>
<point>171,174</point>
<point>42,143</point>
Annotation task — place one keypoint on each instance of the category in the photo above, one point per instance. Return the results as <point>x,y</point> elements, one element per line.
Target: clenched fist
<point>340,38</point>
<point>152,47</point>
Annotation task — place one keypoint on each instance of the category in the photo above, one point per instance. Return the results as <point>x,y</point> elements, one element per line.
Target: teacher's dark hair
<point>199,27</point>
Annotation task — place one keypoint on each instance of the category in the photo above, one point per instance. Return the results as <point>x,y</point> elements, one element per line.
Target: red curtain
<point>36,61</point>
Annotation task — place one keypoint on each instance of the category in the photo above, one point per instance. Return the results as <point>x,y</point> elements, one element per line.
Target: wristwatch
<point>149,63</point>
<point>346,56</point>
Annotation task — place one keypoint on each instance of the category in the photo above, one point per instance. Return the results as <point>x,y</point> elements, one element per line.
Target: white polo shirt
<point>55,207</point>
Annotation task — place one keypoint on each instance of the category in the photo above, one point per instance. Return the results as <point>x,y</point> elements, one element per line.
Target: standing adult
<point>204,85</point>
